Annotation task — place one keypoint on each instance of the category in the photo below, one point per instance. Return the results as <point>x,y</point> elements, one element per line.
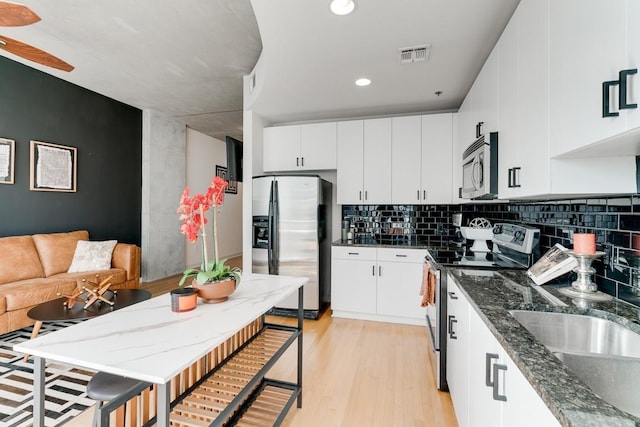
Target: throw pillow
<point>92,256</point>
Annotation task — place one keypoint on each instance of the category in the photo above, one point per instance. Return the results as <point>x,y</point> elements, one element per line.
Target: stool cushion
<point>106,387</point>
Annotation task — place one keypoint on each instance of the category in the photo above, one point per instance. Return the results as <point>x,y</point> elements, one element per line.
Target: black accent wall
<point>108,135</point>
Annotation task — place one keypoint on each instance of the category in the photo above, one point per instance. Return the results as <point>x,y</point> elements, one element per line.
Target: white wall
<point>203,153</point>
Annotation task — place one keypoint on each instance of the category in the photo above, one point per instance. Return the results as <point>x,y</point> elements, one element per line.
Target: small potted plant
<point>214,279</point>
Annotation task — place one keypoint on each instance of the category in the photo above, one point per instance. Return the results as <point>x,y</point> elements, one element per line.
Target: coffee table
<point>55,310</point>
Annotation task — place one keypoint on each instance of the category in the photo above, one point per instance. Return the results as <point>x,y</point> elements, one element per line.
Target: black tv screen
<point>234,159</point>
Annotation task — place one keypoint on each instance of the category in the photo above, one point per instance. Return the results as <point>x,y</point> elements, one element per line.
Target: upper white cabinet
<point>300,147</point>
<point>364,161</point>
<point>578,29</point>
<point>421,159</point>
<point>485,97</point>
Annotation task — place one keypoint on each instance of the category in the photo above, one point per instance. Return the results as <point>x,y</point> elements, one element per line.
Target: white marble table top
<point>149,342</point>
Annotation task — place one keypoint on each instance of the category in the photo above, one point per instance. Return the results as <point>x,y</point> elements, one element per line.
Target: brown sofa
<point>33,270</point>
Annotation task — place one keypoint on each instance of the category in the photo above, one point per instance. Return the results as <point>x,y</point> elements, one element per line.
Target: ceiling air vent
<point>409,55</point>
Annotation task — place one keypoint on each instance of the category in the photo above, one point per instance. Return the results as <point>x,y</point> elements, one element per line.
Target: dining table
<point>149,342</point>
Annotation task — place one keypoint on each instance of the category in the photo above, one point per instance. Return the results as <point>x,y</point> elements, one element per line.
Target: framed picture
<point>53,167</point>
<point>7,160</point>
<point>232,188</point>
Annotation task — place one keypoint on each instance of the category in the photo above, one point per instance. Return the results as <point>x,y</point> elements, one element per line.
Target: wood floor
<point>355,373</point>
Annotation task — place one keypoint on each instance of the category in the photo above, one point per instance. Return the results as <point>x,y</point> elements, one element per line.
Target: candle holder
<point>583,286</point>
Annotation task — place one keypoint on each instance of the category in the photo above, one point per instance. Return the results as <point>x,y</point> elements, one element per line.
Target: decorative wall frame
<point>53,167</point>
<point>7,160</point>
<point>232,188</point>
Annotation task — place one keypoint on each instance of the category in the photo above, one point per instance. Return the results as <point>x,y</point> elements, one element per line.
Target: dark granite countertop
<point>568,398</point>
<point>371,242</point>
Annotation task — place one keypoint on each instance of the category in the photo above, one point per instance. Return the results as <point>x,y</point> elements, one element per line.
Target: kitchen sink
<point>603,354</point>
<point>613,379</point>
<point>573,333</point>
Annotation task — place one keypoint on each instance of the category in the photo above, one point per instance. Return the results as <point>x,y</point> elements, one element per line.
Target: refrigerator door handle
<point>271,234</point>
<point>276,230</point>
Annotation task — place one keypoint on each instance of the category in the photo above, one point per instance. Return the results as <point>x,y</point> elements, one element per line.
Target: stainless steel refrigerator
<point>291,235</point>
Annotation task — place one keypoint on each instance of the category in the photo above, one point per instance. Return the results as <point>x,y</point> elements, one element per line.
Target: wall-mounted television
<point>234,159</point>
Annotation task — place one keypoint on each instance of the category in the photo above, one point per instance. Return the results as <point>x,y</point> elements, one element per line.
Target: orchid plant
<point>192,212</point>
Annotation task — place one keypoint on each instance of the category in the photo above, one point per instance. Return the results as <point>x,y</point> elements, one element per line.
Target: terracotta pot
<point>183,299</point>
<point>215,292</point>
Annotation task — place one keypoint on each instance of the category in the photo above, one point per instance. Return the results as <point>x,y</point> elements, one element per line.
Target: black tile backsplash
<point>615,221</point>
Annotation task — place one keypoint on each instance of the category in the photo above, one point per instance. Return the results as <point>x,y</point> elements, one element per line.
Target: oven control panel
<point>517,237</point>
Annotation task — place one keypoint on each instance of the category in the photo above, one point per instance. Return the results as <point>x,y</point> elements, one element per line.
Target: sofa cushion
<point>19,259</point>
<point>30,292</point>
<point>56,250</point>
<point>90,256</point>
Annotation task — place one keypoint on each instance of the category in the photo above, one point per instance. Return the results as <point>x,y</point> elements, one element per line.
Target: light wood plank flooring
<point>355,373</point>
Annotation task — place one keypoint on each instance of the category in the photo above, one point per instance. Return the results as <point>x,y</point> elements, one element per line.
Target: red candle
<point>584,243</point>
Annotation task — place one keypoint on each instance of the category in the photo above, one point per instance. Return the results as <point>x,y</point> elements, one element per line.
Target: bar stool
<point>115,391</point>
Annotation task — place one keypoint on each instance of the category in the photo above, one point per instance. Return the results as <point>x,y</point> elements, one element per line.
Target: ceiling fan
<point>17,15</point>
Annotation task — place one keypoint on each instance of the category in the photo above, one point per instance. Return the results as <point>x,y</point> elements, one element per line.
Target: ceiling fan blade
<point>33,54</point>
<point>16,15</point>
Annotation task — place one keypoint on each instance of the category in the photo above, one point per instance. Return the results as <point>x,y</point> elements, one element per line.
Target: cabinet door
<point>485,96</point>
<point>399,282</point>
<point>318,146</point>
<point>437,151</point>
<point>458,341</point>
<point>485,352</point>
<point>350,162</point>
<point>508,106</point>
<point>405,162</point>
<point>633,61</point>
<point>523,399</point>
<point>353,286</point>
<point>577,29</point>
<point>377,161</point>
<point>281,148</point>
<point>533,99</point>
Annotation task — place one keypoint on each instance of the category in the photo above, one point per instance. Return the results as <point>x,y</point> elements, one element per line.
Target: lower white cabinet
<point>487,388</point>
<point>377,284</point>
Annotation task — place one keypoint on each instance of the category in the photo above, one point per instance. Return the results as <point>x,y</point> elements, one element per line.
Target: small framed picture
<point>53,167</point>
<point>7,160</point>
<point>232,188</point>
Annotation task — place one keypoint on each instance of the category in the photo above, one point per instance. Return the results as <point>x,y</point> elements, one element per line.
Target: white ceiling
<point>187,58</point>
<point>311,57</point>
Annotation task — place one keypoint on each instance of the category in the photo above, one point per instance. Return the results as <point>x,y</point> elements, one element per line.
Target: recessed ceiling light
<point>363,82</point>
<point>342,7</point>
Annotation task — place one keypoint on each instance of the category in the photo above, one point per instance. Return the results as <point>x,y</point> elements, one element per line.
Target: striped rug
<point>65,386</point>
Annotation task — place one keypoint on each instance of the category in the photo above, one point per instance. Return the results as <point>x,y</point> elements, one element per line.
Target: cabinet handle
<point>452,295</point>
<point>622,95</point>
<point>488,379</point>
<point>424,194</point>
<point>365,194</point>
<point>510,178</point>
<point>353,253</point>
<point>373,270</point>
<point>297,161</point>
<point>516,177</point>
<point>606,87</point>
<point>496,380</point>
<point>452,333</point>
<point>379,270</point>
<point>418,195</point>
<point>302,161</point>
<point>401,256</point>
<point>360,195</point>
<point>479,129</point>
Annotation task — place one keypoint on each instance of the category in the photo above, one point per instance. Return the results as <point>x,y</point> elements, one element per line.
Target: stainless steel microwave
<point>480,169</point>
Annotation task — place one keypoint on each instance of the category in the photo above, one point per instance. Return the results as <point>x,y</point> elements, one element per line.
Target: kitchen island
<point>491,295</point>
<point>149,342</point>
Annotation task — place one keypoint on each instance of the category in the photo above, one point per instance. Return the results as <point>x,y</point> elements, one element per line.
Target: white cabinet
<point>377,284</point>
<point>523,164</point>
<point>485,96</point>
<point>421,159</point>
<point>300,147</point>
<point>458,340</point>
<point>577,29</point>
<point>364,161</point>
<point>487,388</point>
<point>353,279</point>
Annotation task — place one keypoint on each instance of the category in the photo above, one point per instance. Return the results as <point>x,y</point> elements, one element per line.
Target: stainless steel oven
<point>435,319</point>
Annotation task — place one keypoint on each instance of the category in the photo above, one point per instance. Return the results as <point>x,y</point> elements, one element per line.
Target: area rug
<point>65,385</point>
